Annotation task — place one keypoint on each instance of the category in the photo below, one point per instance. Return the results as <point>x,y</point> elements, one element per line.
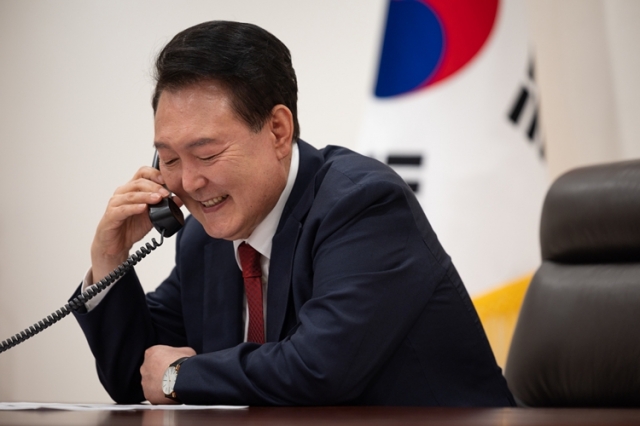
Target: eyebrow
<point>195,144</point>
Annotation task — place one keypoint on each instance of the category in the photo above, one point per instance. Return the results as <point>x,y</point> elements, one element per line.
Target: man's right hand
<point>126,220</point>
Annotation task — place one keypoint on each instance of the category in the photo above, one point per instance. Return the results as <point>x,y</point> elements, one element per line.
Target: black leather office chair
<point>577,340</point>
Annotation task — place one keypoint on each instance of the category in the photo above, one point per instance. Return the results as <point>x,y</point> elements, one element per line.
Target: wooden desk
<point>360,416</point>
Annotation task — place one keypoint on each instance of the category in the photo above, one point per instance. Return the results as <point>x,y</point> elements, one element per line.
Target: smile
<point>214,201</point>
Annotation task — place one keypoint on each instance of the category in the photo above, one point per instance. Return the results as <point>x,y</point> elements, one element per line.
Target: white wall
<point>75,122</point>
<point>588,65</point>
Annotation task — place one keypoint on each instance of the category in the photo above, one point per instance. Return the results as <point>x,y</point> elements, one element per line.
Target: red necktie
<point>252,274</point>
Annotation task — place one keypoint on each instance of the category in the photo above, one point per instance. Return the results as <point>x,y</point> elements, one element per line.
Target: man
<point>360,304</point>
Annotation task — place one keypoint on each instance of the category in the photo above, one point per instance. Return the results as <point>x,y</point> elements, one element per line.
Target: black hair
<point>251,63</point>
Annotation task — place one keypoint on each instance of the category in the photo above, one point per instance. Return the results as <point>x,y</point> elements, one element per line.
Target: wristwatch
<point>169,379</point>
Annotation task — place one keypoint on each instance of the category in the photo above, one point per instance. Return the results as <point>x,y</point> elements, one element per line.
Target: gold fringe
<point>498,310</point>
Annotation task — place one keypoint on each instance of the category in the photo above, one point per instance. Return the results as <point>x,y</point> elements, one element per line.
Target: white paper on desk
<point>109,407</point>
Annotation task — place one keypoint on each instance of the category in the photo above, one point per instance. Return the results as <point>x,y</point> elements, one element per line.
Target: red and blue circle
<point>427,41</point>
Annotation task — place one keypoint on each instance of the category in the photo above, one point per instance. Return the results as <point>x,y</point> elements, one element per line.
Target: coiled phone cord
<point>78,302</point>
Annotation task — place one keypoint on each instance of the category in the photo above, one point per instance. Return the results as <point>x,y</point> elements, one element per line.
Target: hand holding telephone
<point>167,219</point>
<point>166,216</point>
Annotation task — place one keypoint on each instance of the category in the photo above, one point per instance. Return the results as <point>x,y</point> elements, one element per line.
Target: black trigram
<point>399,161</point>
<point>527,100</point>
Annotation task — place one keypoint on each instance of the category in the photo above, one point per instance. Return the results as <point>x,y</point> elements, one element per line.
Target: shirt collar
<point>261,237</point>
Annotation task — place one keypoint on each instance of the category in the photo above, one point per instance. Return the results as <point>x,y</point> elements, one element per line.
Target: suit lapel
<point>280,278</point>
<point>223,298</point>
<point>286,239</point>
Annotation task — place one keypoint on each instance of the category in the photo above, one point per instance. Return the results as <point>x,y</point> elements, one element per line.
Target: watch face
<point>169,380</point>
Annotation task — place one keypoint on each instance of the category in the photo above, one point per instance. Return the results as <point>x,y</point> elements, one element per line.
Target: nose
<point>192,179</point>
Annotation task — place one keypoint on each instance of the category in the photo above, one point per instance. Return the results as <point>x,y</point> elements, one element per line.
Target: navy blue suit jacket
<point>363,306</point>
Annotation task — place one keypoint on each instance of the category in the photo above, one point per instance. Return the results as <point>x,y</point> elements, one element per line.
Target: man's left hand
<point>156,360</point>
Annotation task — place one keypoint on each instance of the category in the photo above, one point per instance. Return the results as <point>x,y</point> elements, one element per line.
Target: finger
<point>121,213</point>
<point>187,351</point>
<point>115,235</point>
<point>128,198</point>
<point>141,185</point>
<point>153,350</point>
<point>149,173</point>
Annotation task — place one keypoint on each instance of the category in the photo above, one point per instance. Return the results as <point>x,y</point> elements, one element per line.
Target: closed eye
<point>211,157</point>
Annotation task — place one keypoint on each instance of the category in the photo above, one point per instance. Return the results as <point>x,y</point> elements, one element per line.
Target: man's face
<point>227,175</point>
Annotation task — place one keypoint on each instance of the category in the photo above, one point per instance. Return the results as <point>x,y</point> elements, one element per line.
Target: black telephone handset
<point>166,217</point>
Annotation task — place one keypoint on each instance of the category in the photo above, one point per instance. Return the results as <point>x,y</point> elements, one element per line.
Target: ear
<point>281,127</point>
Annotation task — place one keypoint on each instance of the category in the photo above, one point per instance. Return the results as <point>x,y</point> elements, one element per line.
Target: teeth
<point>214,201</point>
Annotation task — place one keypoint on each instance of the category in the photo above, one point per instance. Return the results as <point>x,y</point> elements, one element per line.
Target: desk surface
<point>370,416</point>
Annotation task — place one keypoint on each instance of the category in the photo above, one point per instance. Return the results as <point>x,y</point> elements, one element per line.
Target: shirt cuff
<point>86,283</point>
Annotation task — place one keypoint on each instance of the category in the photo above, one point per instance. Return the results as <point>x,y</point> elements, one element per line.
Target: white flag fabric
<point>455,114</point>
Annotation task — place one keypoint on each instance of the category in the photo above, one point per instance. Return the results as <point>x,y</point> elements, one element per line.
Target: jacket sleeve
<point>123,325</point>
<point>372,273</point>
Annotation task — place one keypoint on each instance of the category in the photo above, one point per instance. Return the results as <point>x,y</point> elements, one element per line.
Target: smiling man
<point>302,276</point>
